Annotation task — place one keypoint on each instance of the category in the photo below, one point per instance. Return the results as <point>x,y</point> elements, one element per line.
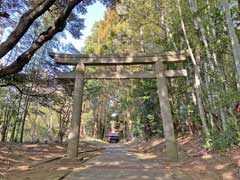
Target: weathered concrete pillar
<point>73,138</point>
<point>171,145</point>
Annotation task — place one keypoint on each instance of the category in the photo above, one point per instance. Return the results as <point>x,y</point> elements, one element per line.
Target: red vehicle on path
<point>113,137</point>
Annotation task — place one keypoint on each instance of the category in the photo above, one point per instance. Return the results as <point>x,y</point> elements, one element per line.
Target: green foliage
<point>222,140</point>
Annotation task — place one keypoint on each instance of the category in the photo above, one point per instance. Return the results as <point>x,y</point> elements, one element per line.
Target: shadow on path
<point>117,163</point>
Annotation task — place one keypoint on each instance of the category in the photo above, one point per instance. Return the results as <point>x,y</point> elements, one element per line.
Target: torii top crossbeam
<point>138,58</point>
<point>126,59</point>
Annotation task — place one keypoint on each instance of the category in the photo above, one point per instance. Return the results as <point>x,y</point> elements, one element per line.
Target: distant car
<point>113,137</point>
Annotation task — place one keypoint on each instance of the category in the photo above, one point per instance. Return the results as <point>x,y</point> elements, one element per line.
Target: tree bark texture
<point>233,38</point>
<point>197,76</point>
<point>16,120</point>
<point>198,93</point>
<point>27,102</point>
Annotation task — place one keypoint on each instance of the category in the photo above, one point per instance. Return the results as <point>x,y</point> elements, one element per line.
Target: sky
<point>95,13</point>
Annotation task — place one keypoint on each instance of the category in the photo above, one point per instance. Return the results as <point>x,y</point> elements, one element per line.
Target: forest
<point>36,106</point>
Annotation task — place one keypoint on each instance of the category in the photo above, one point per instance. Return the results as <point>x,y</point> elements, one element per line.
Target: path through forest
<point>118,163</point>
<point>101,160</point>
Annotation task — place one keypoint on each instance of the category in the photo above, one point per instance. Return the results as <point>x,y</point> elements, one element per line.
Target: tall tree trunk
<point>27,102</point>
<point>196,74</point>
<point>50,124</point>
<point>200,28</point>
<point>5,124</point>
<point>129,124</point>
<point>35,137</point>
<point>233,39</point>
<point>16,120</point>
<point>199,94</point>
<point>238,9</point>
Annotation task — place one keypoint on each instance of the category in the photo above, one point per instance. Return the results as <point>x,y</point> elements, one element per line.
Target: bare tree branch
<point>4,14</point>
<point>26,93</point>
<point>45,36</point>
<point>25,22</point>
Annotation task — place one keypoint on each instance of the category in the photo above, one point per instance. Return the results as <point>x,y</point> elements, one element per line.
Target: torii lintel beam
<point>140,58</point>
<point>124,75</point>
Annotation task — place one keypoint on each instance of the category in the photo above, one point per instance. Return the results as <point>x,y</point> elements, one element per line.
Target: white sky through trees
<point>95,13</point>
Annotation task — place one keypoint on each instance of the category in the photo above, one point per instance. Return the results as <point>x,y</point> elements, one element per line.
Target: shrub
<point>222,140</point>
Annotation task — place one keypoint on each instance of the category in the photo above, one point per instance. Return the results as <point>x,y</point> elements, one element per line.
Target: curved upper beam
<point>140,58</point>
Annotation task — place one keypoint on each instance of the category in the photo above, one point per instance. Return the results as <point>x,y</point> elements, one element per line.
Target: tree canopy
<point>47,18</point>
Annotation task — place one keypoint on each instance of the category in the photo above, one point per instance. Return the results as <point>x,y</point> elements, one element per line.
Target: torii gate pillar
<point>73,138</point>
<point>165,108</point>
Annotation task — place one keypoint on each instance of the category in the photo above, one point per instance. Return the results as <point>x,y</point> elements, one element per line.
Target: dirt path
<point>118,163</point>
<point>43,161</point>
<point>103,161</point>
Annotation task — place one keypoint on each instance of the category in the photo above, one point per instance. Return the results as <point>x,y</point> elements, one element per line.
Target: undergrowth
<point>222,140</point>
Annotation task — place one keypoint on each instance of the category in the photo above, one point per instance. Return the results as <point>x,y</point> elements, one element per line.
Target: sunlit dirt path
<point>118,163</point>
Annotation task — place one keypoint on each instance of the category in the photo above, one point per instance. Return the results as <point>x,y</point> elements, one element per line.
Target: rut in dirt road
<point>117,163</point>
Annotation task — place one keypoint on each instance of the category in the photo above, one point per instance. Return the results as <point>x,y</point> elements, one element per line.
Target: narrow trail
<point>117,163</point>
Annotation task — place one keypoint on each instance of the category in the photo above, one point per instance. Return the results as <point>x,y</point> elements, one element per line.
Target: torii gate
<point>157,59</point>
